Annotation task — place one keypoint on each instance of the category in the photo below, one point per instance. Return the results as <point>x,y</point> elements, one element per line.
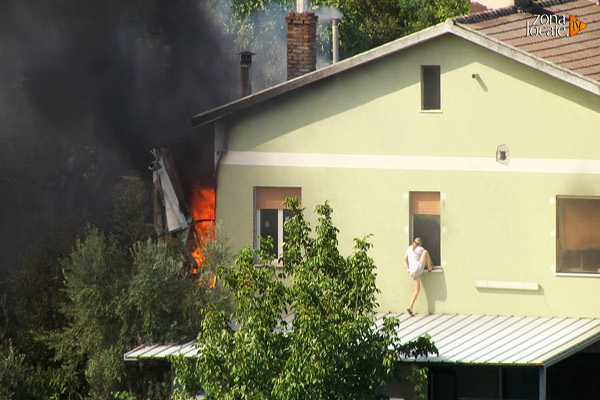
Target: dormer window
<point>430,88</point>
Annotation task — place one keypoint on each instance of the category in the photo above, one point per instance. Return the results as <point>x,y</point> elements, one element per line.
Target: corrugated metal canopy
<point>464,339</point>
<point>189,349</point>
<point>496,340</point>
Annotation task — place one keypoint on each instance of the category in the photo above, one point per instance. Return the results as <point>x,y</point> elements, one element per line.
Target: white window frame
<point>565,270</point>
<point>427,246</point>
<point>277,246</point>
<point>291,191</point>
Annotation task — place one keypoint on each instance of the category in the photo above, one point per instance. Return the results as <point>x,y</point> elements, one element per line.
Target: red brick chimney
<point>301,41</point>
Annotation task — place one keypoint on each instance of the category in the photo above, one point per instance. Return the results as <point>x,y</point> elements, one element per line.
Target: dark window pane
<point>268,226</point>
<point>427,227</point>
<point>430,87</point>
<point>287,215</point>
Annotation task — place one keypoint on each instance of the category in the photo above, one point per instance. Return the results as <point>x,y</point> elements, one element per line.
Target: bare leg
<point>426,259</point>
<point>417,283</point>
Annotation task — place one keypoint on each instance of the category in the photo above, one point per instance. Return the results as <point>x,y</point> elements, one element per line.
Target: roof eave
<point>593,337</point>
<point>347,64</point>
<point>449,26</point>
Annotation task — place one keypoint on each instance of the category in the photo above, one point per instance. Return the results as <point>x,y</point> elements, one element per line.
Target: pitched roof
<point>579,53</point>
<point>575,60</point>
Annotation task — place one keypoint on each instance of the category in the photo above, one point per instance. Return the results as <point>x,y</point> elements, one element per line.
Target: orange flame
<point>202,206</point>
<point>211,282</point>
<point>198,257</point>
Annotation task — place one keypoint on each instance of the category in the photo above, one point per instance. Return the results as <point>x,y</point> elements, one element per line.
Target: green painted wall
<point>497,225</point>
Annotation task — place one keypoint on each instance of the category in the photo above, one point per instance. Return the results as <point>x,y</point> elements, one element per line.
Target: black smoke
<point>87,89</point>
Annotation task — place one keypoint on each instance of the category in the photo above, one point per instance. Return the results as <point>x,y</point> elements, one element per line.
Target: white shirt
<point>413,258</point>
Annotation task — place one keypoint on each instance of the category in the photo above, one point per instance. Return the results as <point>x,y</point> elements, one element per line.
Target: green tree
<point>370,23</point>
<point>259,26</point>
<point>17,377</point>
<point>121,298</point>
<point>331,350</point>
<point>122,290</point>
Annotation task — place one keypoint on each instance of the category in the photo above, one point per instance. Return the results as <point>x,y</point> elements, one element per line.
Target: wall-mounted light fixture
<point>503,154</point>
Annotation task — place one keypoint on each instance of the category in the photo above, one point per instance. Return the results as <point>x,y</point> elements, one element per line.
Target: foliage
<point>119,299</point>
<point>418,378</point>
<point>214,244</point>
<point>17,377</point>
<point>130,216</point>
<point>370,23</point>
<point>123,396</point>
<point>331,350</point>
<point>259,26</point>
<point>39,292</point>
<point>80,307</point>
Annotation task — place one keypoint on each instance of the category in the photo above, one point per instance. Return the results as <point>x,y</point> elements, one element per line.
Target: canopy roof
<point>496,340</point>
<point>464,339</point>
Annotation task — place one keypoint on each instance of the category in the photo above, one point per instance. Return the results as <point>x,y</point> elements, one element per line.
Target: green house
<point>480,135</point>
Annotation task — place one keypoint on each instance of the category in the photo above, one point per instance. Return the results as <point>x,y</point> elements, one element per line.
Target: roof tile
<point>579,53</point>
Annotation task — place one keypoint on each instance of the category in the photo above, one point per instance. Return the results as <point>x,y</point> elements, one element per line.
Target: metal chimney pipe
<point>335,40</point>
<point>301,6</point>
<point>245,63</point>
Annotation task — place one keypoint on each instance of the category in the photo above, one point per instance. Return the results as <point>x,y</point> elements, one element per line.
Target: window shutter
<point>425,203</point>
<point>271,198</point>
<point>579,224</point>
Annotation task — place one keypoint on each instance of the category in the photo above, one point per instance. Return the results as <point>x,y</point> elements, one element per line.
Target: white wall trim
<point>424,163</point>
<point>533,286</point>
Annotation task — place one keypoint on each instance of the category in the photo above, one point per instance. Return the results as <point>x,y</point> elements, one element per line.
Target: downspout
<point>220,144</point>
<point>220,147</point>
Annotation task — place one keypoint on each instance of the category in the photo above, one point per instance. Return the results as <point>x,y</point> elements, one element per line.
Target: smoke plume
<point>89,87</point>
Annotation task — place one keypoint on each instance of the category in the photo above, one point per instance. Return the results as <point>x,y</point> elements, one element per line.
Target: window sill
<point>431,111</point>
<point>436,269</point>
<point>577,274</point>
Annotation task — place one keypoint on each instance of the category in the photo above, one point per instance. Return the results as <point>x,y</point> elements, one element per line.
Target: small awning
<point>189,349</point>
<point>495,340</point>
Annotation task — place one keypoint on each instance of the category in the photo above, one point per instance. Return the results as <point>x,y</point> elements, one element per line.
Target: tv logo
<point>554,26</point>
<point>575,26</point>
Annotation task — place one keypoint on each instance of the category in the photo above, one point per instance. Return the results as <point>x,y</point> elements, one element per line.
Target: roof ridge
<point>488,14</point>
<point>548,3</point>
<point>502,12</point>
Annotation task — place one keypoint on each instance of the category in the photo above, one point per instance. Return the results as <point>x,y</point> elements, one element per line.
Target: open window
<point>578,234</point>
<point>430,88</point>
<point>270,214</point>
<point>425,222</point>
